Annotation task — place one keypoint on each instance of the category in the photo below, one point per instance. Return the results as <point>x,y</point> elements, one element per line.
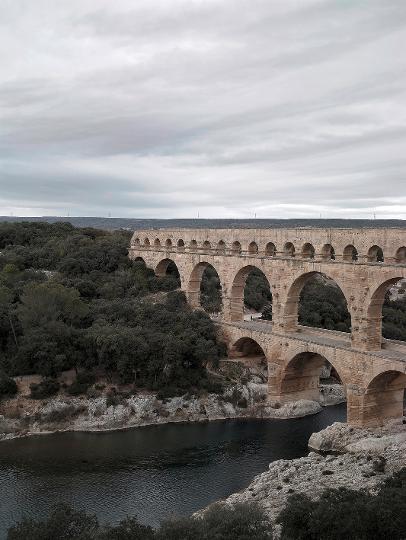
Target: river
<point>152,472</point>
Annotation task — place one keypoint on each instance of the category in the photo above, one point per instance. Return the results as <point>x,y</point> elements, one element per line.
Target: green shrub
<point>356,514</point>
<point>84,379</point>
<point>77,388</point>
<point>44,389</point>
<point>8,386</point>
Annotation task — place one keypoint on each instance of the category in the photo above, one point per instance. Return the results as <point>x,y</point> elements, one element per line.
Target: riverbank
<point>23,416</point>
<point>340,456</point>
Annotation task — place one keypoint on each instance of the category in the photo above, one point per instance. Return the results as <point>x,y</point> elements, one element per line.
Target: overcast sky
<point>226,108</point>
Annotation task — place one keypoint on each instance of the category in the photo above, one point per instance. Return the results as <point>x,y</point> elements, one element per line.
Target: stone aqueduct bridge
<point>364,263</point>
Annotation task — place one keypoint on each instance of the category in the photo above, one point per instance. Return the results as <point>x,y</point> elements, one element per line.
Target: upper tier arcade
<point>349,245</point>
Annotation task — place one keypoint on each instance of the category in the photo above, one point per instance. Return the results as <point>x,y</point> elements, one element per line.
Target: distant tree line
<point>339,514</point>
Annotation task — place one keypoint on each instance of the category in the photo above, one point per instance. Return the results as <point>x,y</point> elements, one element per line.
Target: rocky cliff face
<point>24,416</point>
<point>358,459</point>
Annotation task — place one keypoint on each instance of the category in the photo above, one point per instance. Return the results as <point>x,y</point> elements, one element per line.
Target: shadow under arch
<point>237,291</point>
<point>374,316</point>
<point>291,308</point>
<point>300,378</point>
<point>205,298</point>
<point>249,352</point>
<point>246,346</point>
<point>384,398</point>
<point>168,267</point>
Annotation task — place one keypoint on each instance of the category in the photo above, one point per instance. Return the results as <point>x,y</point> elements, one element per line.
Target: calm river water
<point>152,472</point>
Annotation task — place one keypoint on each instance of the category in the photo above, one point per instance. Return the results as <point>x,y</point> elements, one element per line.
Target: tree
<point>64,523</point>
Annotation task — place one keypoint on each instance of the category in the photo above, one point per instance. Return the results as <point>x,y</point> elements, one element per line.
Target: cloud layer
<point>222,108</point>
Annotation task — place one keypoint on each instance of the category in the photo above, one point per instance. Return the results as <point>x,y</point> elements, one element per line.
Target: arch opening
<point>270,249</point>
<point>375,254</point>
<point>221,247</point>
<point>181,245</point>
<point>401,255</point>
<point>249,353</point>
<point>168,243</point>
<point>147,243</point>
<point>328,252</point>
<point>251,296</point>
<point>386,314</point>
<point>206,246</point>
<point>315,300</point>
<point>167,268</point>
<point>322,304</point>
<point>308,251</point>
<point>193,245</point>
<point>136,242</point>
<point>210,290</point>
<point>204,288</point>
<point>236,247</point>
<point>253,248</point>
<point>350,253</point>
<point>311,376</point>
<point>157,243</point>
<point>384,398</point>
<point>289,249</point>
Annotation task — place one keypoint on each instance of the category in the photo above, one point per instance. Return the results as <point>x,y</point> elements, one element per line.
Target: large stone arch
<point>291,304</point>
<point>194,282</point>
<point>237,291</point>
<point>246,346</point>
<point>384,398</point>
<point>299,377</point>
<point>162,267</point>
<point>373,319</point>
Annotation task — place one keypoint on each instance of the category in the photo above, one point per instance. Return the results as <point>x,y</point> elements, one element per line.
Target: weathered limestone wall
<point>360,358</point>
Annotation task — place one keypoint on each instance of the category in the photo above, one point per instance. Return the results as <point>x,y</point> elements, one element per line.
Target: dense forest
<point>71,298</point>
<point>339,514</point>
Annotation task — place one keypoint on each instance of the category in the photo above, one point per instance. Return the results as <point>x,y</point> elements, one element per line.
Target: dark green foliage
<point>44,389</point>
<point>257,294</point>
<point>323,305</point>
<point>210,291</point>
<point>394,319</point>
<point>8,386</point>
<point>340,514</point>
<point>88,311</point>
<point>64,523</point>
<point>242,522</point>
<point>84,379</point>
<point>128,529</point>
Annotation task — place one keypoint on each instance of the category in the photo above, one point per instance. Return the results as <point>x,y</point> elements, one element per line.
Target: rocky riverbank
<point>23,416</point>
<point>344,456</point>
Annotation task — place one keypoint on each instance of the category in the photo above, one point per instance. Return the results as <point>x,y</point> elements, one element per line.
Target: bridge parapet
<point>349,245</point>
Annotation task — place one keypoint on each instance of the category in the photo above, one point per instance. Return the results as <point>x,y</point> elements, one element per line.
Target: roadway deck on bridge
<point>391,351</point>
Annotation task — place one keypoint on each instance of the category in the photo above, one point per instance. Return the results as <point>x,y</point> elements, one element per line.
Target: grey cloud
<point>229,107</point>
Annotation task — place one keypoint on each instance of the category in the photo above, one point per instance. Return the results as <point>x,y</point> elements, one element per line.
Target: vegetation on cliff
<point>219,523</point>
<point>339,514</point>
<point>71,298</point>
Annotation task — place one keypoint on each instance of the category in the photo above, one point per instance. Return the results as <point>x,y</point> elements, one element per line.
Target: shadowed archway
<point>384,398</point>
<point>300,379</point>
<point>319,290</point>
<point>204,288</point>
<point>167,267</point>
<point>250,293</point>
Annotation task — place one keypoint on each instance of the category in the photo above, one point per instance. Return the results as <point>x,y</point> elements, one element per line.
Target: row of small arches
<point>350,253</point>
